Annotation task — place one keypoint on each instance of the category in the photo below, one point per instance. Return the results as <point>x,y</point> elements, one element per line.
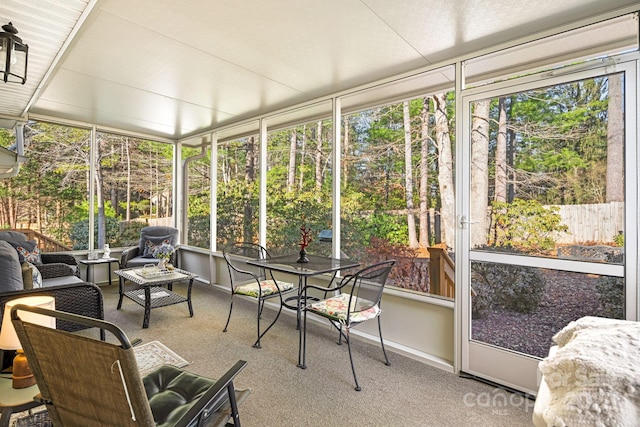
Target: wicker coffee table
<point>151,291</point>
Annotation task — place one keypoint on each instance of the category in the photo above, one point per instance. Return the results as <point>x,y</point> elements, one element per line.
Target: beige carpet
<point>407,393</point>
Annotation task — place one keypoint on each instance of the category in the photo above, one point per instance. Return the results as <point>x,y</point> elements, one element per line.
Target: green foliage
<point>199,231</point>
<point>525,225</point>
<point>130,233</point>
<point>392,228</point>
<point>80,237</point>
<point>199,204</point>
<point>237,212</point>
<point>7,137</point>
<point>80,212</point>
<point>512,287</point>
<point>287,213</point>
<point>611,290</point>
<point>619,239</point>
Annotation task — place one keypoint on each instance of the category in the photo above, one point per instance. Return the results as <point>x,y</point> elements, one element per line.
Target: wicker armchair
<point>80,298</point>
<point>140,255</point>
<point>57,265</point>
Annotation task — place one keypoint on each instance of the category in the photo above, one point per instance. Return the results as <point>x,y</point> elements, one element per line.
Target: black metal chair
<point>87,382</point>
<point>357,299</point>
<point>252,281</point>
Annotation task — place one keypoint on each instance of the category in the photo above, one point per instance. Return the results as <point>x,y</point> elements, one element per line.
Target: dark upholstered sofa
<point>54,269</point>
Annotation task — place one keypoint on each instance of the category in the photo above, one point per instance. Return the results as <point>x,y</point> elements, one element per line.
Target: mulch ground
<point>568,297</point>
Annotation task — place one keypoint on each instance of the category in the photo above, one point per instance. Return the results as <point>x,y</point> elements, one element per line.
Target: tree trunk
<point>319,160</point>
<point>615,141</point>
<point>302,154</point>
<point>445,170</point>
<point>511,155</point>
<point>408,176</point>
<point>128,155</point>
<point>479,172</point>
<point>250,176</point>
<point>292,160</point>
<point>345,148</point>
<point>424,174</point>
<point>102,229</point>
<point>501,154</point>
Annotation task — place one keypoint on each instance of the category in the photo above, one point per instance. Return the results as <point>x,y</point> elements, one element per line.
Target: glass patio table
<point>151,293</point>
<point>317,265</point>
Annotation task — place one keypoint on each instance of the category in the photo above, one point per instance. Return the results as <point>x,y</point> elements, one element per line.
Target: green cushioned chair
<point>87,382</point>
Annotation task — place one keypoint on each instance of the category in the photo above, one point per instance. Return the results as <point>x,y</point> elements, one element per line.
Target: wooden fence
<point>597,223</point>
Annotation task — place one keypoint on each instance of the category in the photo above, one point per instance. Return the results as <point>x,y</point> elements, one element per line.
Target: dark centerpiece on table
<point>305,239</point>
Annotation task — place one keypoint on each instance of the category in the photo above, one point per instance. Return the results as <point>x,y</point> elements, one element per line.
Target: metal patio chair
<point>356,300</point>
<point>253,282</point>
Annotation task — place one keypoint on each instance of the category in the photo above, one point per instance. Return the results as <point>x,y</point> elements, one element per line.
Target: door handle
<point>464,221</point>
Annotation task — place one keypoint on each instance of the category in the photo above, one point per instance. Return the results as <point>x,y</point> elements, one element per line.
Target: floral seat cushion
<point>335,308</point>
<point>268,287</point>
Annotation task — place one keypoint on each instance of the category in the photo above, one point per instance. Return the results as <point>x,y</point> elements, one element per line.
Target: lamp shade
<point>8,337</point>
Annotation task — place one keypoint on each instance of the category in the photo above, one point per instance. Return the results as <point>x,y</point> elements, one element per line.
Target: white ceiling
<point>171,69</point>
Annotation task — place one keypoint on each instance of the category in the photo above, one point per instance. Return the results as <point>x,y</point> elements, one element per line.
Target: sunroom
<point>489,147</point>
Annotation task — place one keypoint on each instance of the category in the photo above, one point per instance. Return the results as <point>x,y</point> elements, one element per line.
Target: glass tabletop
<point>316,265</point>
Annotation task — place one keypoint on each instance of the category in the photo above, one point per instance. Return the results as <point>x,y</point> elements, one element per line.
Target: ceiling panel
<point>441,30</point>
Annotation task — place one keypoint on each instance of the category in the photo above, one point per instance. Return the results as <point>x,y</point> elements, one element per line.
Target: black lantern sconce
<point>13,56</point>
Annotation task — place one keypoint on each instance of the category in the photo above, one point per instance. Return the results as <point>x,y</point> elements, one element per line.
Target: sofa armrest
<point>128,254</point>
<point>58,257</point>
<point>56,269</point>
<point>79,298</point>
<point>50,258</point>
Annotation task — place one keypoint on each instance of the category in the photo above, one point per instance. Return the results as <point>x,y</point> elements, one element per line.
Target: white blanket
<point>594,376</point>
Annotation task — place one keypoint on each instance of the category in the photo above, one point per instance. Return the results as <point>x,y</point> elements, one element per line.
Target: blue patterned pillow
<point>27,251</point>
<point>152,243</point>
<point>36,275</point>
<point>31,276</point>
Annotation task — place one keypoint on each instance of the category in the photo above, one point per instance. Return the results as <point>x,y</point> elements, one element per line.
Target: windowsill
<point>421,297</point>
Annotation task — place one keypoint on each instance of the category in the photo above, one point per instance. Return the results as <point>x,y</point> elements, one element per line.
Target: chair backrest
<point>236,255</point>
<point>80,298</point>
<point>84,381</point>
<point>367,285</point>
<point>156,234</point>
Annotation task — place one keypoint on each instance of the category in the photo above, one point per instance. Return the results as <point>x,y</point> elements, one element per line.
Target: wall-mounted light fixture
<point>13,56</point>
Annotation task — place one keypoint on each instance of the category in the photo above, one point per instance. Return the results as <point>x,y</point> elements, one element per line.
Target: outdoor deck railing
<point>45,243</point>
<point>441,273</point>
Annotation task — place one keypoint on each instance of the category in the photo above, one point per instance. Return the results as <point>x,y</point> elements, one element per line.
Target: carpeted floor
<point>407,393</point>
